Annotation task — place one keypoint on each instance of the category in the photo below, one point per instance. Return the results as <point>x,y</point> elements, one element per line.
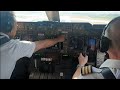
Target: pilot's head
<point>110,40</point>
<point>8,23</point>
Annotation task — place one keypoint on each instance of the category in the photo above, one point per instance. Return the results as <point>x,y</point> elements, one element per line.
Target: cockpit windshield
<point>93,17</point>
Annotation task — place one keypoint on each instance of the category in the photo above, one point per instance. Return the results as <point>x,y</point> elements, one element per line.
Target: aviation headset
<point>105,41</point>
<point>7,23</point>
<point>6,26</point>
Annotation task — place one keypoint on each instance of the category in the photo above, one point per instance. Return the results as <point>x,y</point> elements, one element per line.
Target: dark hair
<point>7,21</point>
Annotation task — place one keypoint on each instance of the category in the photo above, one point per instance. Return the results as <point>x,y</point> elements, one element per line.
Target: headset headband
<point>109,25</point>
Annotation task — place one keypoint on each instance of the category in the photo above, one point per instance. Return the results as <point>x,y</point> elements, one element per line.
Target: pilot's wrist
<point>79,65</point>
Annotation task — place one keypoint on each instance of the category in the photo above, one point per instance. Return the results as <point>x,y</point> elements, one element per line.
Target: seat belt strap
<point>4,40</point>
<point>107,73</point>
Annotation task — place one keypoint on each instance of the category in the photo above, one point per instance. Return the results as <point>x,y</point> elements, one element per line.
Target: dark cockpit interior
<point>60,60</point>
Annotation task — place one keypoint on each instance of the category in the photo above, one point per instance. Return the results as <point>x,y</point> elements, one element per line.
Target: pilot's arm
<point>48,42</point>
<point>82,61</point>
<point>94,74</point>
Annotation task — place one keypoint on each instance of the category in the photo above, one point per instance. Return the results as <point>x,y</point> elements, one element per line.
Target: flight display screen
<point>92,42</point>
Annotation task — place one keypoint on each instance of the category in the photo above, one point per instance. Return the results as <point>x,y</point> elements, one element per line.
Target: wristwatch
<point>80,65</point>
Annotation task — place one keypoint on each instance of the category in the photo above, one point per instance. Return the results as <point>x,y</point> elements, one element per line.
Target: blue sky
<point>93,17</point>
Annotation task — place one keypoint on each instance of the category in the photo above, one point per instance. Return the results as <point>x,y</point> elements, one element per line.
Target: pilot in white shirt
<point>113,65</point>
<point>12,50</point>
<point>110,43</point>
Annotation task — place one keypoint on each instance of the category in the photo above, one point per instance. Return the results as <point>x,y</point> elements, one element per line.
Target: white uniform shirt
<point>114,66</point>
<point>12,51</point>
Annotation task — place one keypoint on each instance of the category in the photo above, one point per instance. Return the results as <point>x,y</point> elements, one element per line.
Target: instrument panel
<point>60,60</point>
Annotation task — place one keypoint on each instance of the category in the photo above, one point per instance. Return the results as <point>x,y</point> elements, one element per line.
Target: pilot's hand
<point>82,60</point>
<point>61,38</point>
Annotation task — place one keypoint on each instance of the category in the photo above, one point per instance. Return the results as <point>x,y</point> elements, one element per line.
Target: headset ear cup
<point>104,44</point>
<point>9,28</point>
